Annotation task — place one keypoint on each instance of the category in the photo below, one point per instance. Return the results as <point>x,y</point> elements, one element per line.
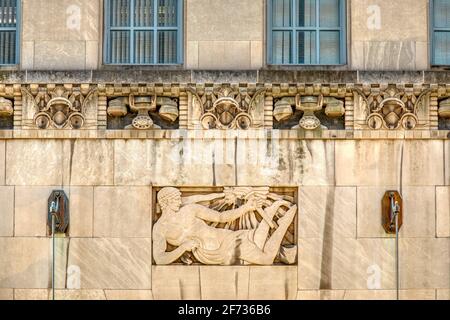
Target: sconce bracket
<point>58,197</point>
<point>387,212</point>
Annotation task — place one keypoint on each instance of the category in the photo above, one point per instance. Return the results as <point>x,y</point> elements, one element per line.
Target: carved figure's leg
<point>263,229</point>
<point>249,252</point>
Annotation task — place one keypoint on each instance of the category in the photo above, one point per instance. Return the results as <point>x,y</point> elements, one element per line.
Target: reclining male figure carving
<point>184,226</point>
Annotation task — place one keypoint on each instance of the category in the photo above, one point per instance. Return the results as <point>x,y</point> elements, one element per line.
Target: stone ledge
<point>261,134</point>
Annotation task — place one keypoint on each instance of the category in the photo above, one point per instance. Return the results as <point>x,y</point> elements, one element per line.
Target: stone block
<point>81,201</point>
<point>285,162</point>
<point>164,162</point>
<point>443,212</point>
<point>25,263</point>
<point>6,211</point>
<point>378,163</point>
<point>71,55</point>
<point>129,295</point>
<point>34,162</point>
<point>6,294</point>
<point>46,294</point>
<point>418,212</point>
<point>31,210</point>
<point>389,55</point>
<point>232,20</point>
<point>27,51</point>
<point>257,54</point>
<point>122,212</point>
<point>192,55</point>
<point>344,263</point>
<point>327,211</point>
<point>176,282</point>
<point>425,263</point>
<point>71,20</point>
<point>370,295</point>
<point>365,14</point>
<point>92,55</point>
<point>232,281</point>
<point>88,162</point>
<point>217,55</point>
<point>447,163</point>
<point>357,55</point>
<point>273,283</point>
<point>122,264</point>
<point>2,161</point>
<point>422,59</point>
<point>320,295</point>
<point>443,294</point>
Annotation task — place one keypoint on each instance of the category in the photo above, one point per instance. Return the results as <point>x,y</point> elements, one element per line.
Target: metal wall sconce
<point>58,208</point>
<point>392,207</point>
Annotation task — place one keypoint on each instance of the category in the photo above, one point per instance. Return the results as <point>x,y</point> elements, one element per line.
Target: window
<point>440,12</point>
<point>8,32</point>
<point>143,31</point>
<point>306,32</point>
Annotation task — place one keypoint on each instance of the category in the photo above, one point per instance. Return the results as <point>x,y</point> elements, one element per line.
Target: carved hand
<point>190,245</point>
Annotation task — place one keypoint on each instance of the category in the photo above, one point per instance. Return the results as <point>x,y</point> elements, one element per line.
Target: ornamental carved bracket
<point>8,93</point>
<point>143,112</point>
<point>228,107</point>
<point>225,226</point>
<point>286,107</point>
<point>60,107</point>
<point>393,108</point>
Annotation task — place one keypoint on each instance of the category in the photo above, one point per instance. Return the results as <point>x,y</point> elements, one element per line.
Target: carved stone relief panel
<point>226,107</point>
<point>392,108</point>
<point>224,226</point>
<point>60,107</point>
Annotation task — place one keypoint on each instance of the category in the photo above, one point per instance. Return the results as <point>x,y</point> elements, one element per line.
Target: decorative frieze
<point>228,106</point>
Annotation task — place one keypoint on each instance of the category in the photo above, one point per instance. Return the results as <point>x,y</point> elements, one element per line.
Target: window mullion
<point>155,32</point>
<point>132,25</point>
<point>294,51</point>
<point>317,31</point>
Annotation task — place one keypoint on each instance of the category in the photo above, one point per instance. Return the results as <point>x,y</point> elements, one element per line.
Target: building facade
<point>224,149</point>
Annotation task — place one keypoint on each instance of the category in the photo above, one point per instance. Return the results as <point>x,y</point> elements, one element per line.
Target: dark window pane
<point>329,47</point>
<point>167,47</point>
<point>143,13</point>
<point>329,13</point>
<point>143,48</point>
<point>167,13</point>
<point>7,47</point>
<point>306,13</point>
<point>8,12</point>
<point>120,13</point>
<point>281,47</point>
<point>442,48</point>
<point>306,41</point>
<point>282,13</point>
<point>442,13</point>
<point>120,47</point>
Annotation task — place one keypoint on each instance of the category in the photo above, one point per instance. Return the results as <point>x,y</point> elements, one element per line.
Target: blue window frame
<point>440,32</point>
<point>306,32</point>
<point>9,35</point>
<point>144,32</point>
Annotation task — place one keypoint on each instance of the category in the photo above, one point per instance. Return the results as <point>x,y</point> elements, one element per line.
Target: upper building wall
<point>225,34</point>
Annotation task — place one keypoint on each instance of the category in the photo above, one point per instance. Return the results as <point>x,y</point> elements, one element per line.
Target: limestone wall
<point>225,34</point>
<point>342,247</point>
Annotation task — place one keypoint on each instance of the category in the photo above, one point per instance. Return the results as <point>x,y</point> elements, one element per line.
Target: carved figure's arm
<point>201,198</point>
<point>223,217</point>
<point>159,250</point>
